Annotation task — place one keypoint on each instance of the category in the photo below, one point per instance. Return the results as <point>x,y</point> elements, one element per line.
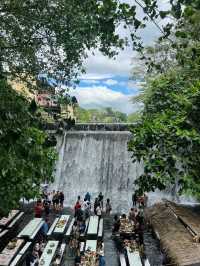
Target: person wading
<point>108,206</point>
<point>100,199</point>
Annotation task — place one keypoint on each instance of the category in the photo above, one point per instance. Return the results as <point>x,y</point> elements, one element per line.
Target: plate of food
<point>42,262</point>
<point>49,251</point>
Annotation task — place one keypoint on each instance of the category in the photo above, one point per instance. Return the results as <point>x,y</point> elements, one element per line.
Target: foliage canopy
<point>167,137</point>
<point>26,158</point>
<point>104,115</point>
<point>53,36</point>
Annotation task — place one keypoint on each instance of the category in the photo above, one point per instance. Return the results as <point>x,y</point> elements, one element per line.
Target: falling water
<point>97,160</point>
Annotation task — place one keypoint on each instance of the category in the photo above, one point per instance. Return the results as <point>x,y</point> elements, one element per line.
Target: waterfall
<point>97,160</point>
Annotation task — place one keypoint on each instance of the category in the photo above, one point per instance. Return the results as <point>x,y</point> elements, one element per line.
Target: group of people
<point>140,200</point>
<point>50,201</point>
<point>135,218</point>
<point>83,209</point>
<point>35,254</point>
<point>75,247</point>
<point>54,198</point>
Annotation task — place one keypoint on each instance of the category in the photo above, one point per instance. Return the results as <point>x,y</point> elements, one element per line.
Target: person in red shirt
<point>77,207</point>
<point>38,209</point>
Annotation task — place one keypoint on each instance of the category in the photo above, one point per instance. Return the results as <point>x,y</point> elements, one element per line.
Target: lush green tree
<point>133,117</point>
<point>104,115</point>
<point>53,36</point>
<point>26,156</point>
<point>167,136</point>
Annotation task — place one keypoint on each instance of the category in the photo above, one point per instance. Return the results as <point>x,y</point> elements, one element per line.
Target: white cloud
<point>106,67</point>
<point>99,67</point>
<point>90,81</point>
<point>102,96</point>
<point>96,76</point>
<point>110,82</point>
<point>123,64</point>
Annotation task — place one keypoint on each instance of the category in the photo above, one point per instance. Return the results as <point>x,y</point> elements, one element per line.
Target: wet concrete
<point>152,249</point>
<point>111,255</point>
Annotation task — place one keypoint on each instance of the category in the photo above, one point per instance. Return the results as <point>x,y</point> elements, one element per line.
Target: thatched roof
<point>187,216</point>
<point>175,239</point>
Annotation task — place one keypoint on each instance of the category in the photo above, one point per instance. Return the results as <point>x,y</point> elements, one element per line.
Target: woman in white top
<point>99,211</point>
<point>101,255</point>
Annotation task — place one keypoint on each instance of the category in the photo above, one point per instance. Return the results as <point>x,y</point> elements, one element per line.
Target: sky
<point>107,82</point>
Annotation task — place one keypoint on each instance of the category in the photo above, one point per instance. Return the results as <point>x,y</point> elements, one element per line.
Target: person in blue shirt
<point>82,227</point>
<point>45,228</point>
<point>87,196</point>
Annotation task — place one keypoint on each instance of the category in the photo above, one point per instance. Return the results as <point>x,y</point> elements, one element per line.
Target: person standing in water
<point>99,211</point>
<point>108,206</point>
<point>100,198</point>
<point>61,199</point>
<point>87,197</point>
<point>134,199</point>
<point>96,203</point>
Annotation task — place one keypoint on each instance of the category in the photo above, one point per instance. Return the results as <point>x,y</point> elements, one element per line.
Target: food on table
<point>42,262</point>
<point>49,251</point>
<point>12,244</point>
<point>131,245</point>
<point>89,259</point>
<point>61,223</point>
<point>126,226</point>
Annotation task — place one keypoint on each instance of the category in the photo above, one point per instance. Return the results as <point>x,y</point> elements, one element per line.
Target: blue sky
<point>108,81</point>
<point>106,90</point>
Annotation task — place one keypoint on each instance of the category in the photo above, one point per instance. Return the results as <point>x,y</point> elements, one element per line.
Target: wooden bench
<point>122,260</point>
<point>17,260</point>
<point>31,229</point>
<point>3,233</point>
<point>25,248</point>
<point>61,253</point>
<point>16,220</point>
<point>8,255</point>
<point>91,244</point>
<point>4,222</point>
<point>134,258</point>
<point>100,231</point>
<point>49,233</point>
<point>4,236</point>
<point>68,233</point>
<point>93,227</point>
<point>47,258</point>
